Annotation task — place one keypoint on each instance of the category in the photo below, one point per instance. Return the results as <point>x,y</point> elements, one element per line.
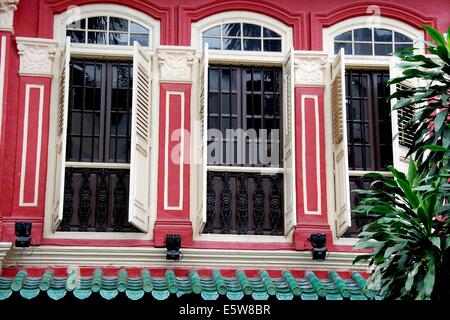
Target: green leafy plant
<point>430,97</point>
<point>409,238</point>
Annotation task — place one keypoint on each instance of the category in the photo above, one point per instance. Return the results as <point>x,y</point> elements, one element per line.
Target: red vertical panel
<point>311,141</point>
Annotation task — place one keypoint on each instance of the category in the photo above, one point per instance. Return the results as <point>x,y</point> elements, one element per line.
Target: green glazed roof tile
<point>260,287</point>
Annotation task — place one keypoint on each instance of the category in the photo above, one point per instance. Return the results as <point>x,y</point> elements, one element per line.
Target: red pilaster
<point>310,166</point>
<point>173,165</point>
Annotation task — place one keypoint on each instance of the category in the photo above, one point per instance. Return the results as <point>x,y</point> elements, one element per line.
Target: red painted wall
<point>34,18</point>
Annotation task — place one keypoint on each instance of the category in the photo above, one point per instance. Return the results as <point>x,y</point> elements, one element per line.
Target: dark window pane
<point>268,80</point>
<point>214,31</point>
<point>268,104</point>
<point>97,123</point>
<point>88,121</point>
<point>383,35</point>
<point>121,75</point>
<point>142,39</point>
<point>97,37</point>
<point>227,76</point>
<point>272,45</point>
<point>74,149</point>
<point>93,98</point>
<point>78,98</point>
<point>253,104</point>
<point>213,103</point>
<point>252,44</point>
<point>75,123</point>
<point>363,48</point>
<point>120,99</point>
<point>80,24</point>
<point>251,30</point>
<point>347,47</point>
<point>363,34</point>
<point>118,24</point>
<point>93,74</point>
<point>77,74</point>
<point>346,36</point>
<point>402,38</point>
<point>136,27</point>
<point>213,43</point>
<point>77,36</point>
<point>231,29</point>
<point>402,46</point>
<point>229,103</point>
<point>213,123</point>
<point>231,44</point>
<point>97,23</point>
<point>256,80</point>
<point>122,150</point>
<point>213,79</point>
<point>383,49</point>
<point>120,39</point>
<point>270,34</point>
<point>86,152</point>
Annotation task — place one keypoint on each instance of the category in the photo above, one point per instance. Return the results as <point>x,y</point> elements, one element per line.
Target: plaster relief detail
<point>7,8</point>
<point>310,70</point>
<point>36,56</point>
<point>176,64</point>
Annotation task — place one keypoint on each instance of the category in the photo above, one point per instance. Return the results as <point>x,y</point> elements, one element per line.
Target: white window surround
<point>361,62</point>
<point>243,56</point>
<point>100,51</point>
<point>112,10</point>
<point>236,57</point>
<point>364,22</point>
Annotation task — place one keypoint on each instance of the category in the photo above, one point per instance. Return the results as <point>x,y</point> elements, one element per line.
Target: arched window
<point>108,30</point>
<point>246,112</point>
<point>242,36</point>
<point>369,131</point>
<point>371,41</point>
<point>101,121</point>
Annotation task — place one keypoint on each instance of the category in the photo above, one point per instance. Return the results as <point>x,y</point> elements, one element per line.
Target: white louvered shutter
<point>340,152</point>
<point>61,136</point>
<point>402,138</point>
<point>139,201</point>
<point>289,144</point>
<point>203,118</point>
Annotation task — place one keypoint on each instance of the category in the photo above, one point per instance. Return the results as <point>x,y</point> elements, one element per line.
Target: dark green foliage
<point>409,239</point>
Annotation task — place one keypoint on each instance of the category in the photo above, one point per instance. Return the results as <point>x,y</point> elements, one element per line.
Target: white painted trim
<point>261,170</point>
<point>103,165</point>
<point>60,256</point>
<point>242,16</point>
<point>2,78</point>
<point>305,195</point>
<point>244,238</point>
<point>93,236</point>
<point>28,88</point>
<point>5,247</point>
<point>365,22</point>
<point>105,9</point>
<point>166,152</point>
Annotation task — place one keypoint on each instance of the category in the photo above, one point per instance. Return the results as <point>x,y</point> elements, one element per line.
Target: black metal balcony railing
<point>244,203</point>
<point>96,200</point>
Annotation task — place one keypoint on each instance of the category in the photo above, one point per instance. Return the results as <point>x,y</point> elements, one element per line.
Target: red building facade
<point>308,56</point>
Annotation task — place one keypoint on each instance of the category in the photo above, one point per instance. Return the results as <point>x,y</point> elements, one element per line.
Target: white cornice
<point>36,56</point>
<point>4,249</point>
<point>7,8</point>
<point>176,63</point>
<point>55,256</point>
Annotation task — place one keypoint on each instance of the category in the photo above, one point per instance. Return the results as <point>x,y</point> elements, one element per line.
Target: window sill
<point>98,235</point>
<point>243,238</point>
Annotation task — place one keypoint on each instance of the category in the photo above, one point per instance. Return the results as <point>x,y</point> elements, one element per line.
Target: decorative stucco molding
<point>7,8</point>
<point>36,56</point>
<point>309,68</point>
<point>176,63</point>
<point>5,247</point>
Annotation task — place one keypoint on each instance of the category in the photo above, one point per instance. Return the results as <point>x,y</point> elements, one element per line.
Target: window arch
<point>242,31</point>
<point>106,25</point>
<point>361,37</point>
